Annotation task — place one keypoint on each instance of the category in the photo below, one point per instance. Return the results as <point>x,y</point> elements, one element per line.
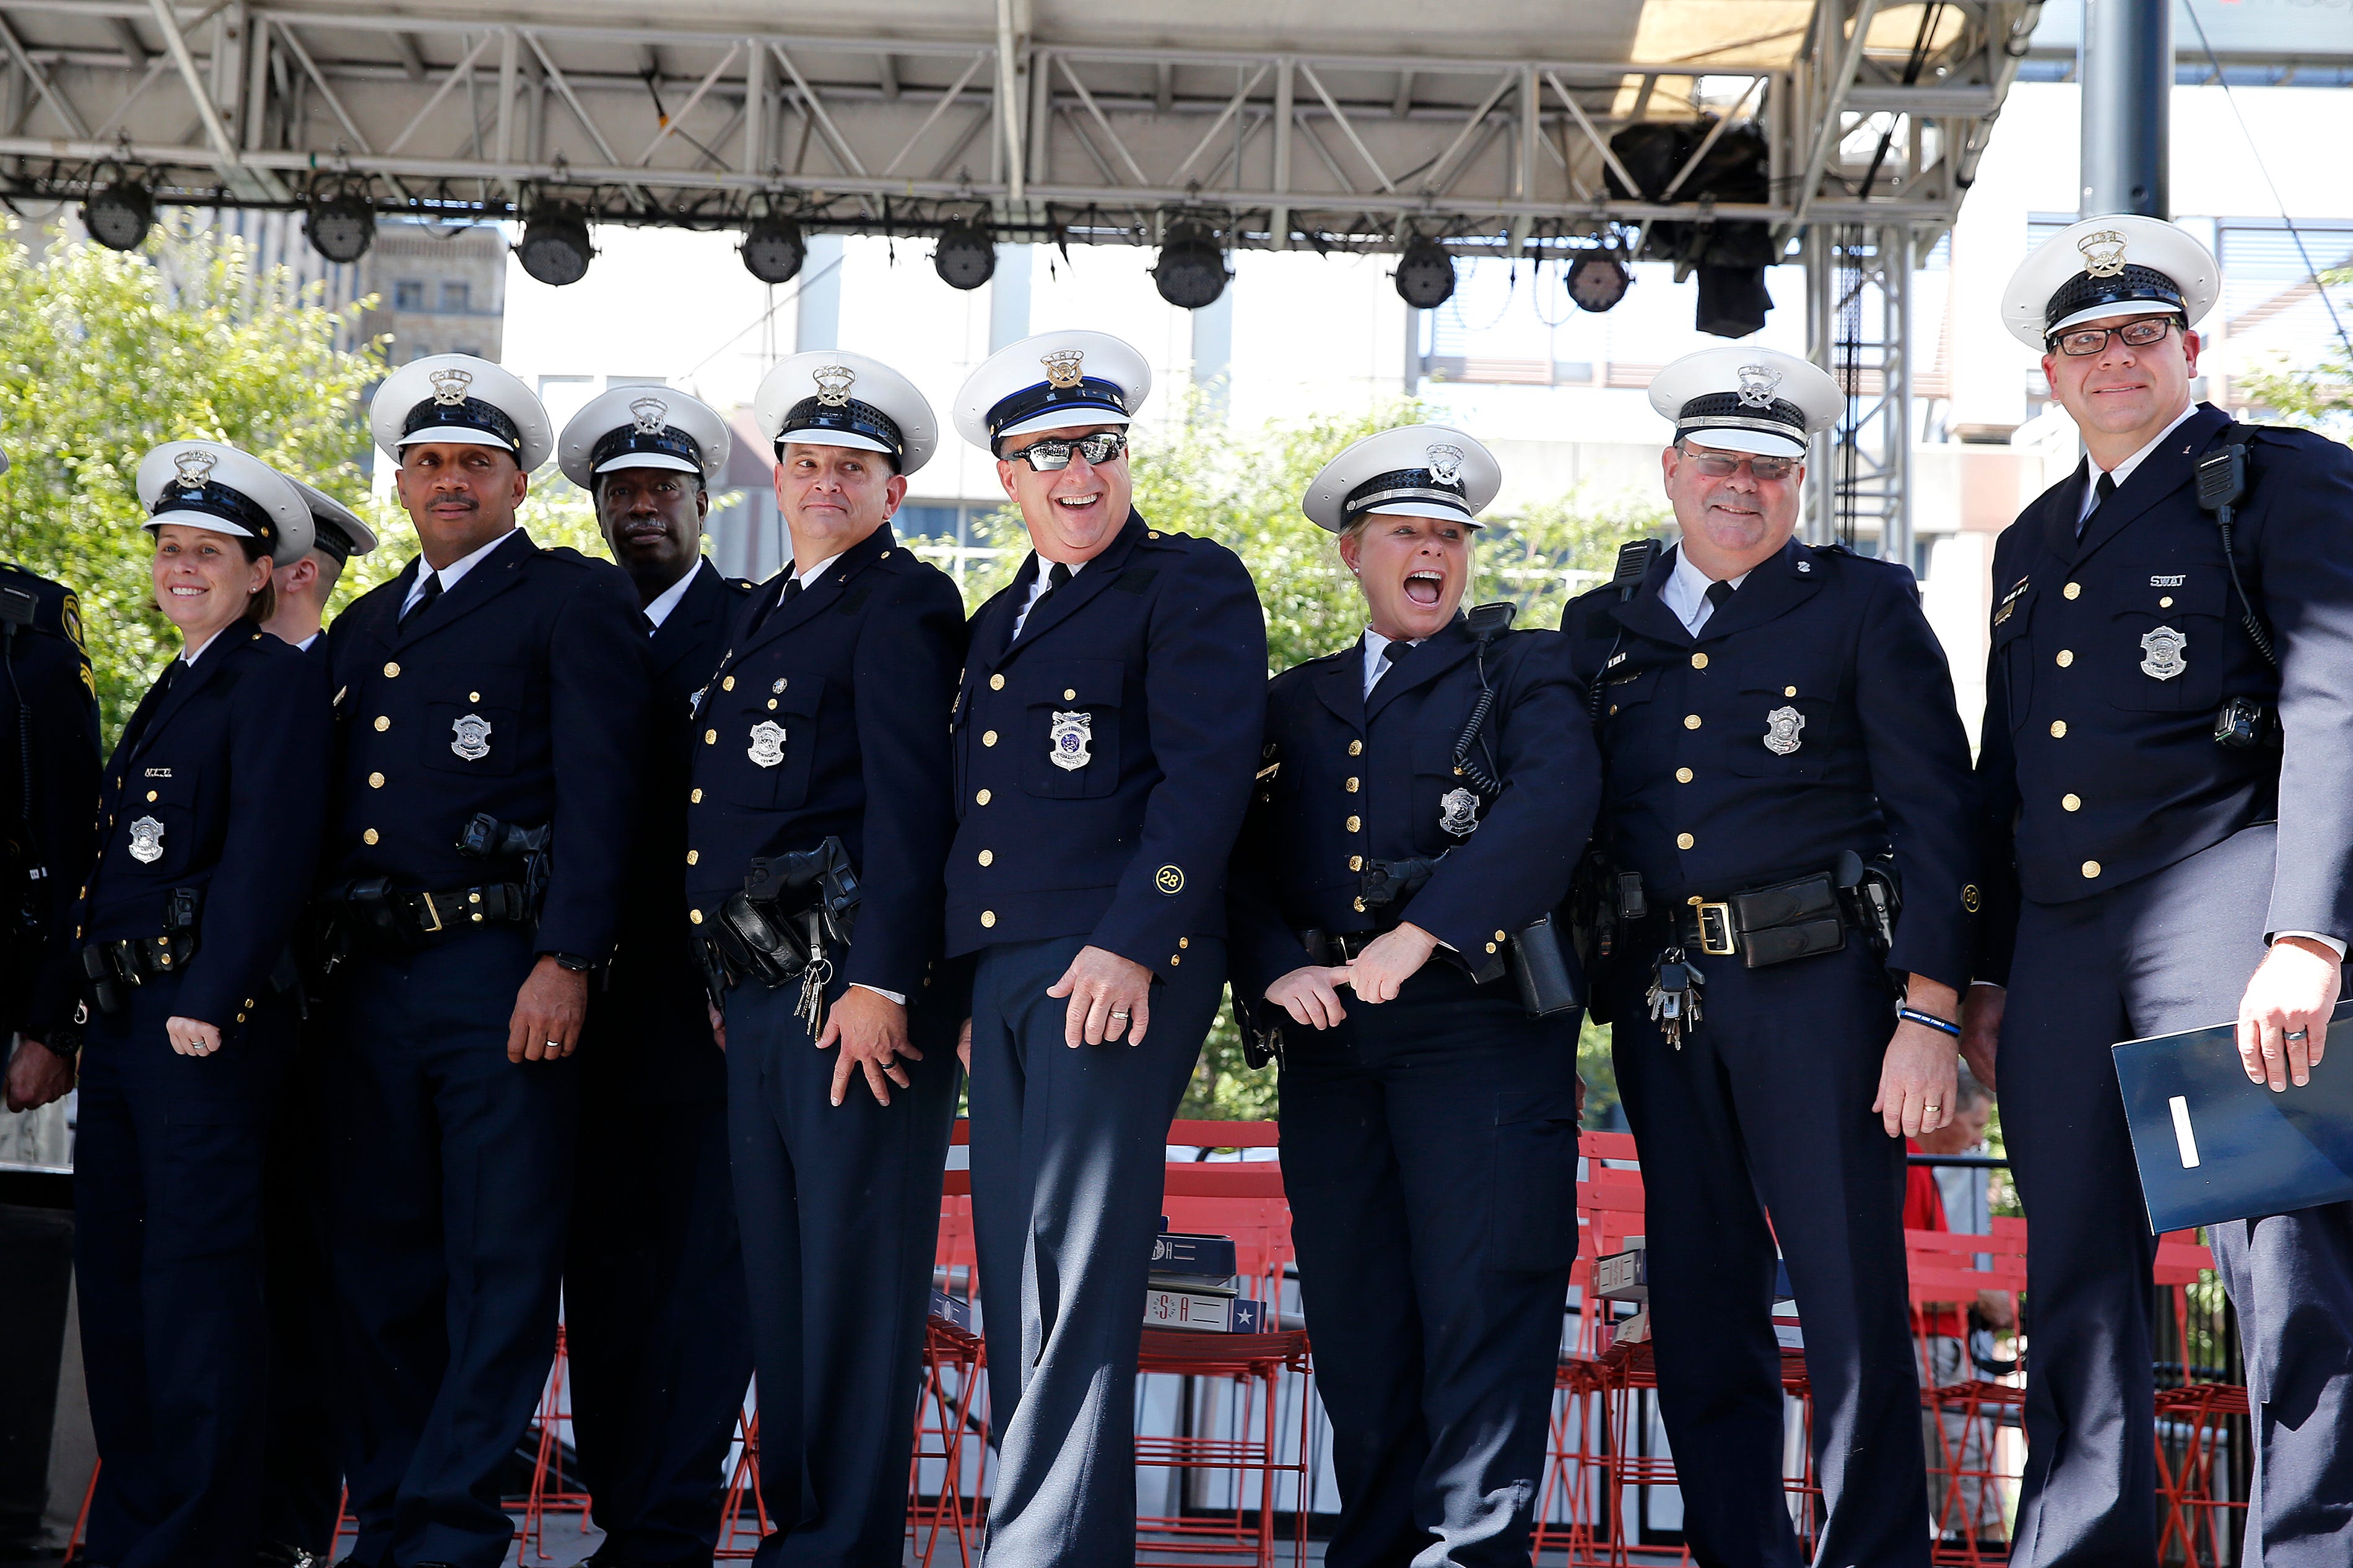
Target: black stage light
<point>1425,274</point>
<point>554,247</point>
<point>773,249</point>
<point>342,226</point>
<point>1596,281</point>
<point>1191,272</point>
<point>965,259</point>
<point>119,217</point>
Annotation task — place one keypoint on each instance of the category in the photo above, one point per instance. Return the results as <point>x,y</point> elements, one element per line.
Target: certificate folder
<point>2212,1146</point>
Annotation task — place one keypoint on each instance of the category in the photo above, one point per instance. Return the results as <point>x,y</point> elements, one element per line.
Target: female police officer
<point>1424,793</point>
<point>212,811</point>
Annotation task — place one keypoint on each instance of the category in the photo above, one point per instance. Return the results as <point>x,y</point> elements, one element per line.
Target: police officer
<point>2169,829</point>
<point>823,731</point>
<point>472,886</point>
<point>50,764</point>
<point>653,1280</point>
<point>1105,736</point>
<point>210,826</point>
<point>1424,794</point>
<point>304,586</point>
<point>1784,763</point>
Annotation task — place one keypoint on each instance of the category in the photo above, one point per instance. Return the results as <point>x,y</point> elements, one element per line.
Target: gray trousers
<point>1068,1151</point>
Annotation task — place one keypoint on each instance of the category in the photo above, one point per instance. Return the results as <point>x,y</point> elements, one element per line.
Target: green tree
<point>2320,396</point>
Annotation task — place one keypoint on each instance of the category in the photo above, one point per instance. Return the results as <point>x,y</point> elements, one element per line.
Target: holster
<point>789,908</point>
<point>115,969</point>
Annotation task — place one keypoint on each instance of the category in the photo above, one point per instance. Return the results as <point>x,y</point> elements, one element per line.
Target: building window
<point>408,294</point>
<point>455,296</point>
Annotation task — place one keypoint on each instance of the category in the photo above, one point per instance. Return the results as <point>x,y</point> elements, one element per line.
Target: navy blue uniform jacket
<point>1157,650</point>
<point>1343,778</point>
<point>48,746</point>
<point>2110,654</point>
<point>226,777</point>
<point>548,648</point>
<point>1699,803</point>
<point>857,672</point>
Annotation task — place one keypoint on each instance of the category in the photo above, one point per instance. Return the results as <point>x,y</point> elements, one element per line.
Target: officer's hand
<point>718,1025</point>
<point>192,1036</point>
<point>2294,990</point>
<point>38,1075</point>
<point>1388,961</point>
<point>548,1011</point>
<point>964,1047</point>
<point>1916,1077</point>
<point>1108,994</point>
<point>1307,995</point>
<point>1981,1011</point>
<point>871,1031</point>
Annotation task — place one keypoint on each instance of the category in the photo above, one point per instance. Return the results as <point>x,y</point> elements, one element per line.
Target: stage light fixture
<point>1191,272</point>
<point>965,258</point>
<point>1596,280</point>
<point>341,227</point>
<point>554,247</point>
<point>119,217</point>
<point>773,249</point>
<point>1425,274</point>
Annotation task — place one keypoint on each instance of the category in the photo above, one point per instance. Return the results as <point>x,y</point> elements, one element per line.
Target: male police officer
<point>472,884</point>
<point>823,736</point>
<point>1106,734</point>
<point>304,586</point>
<point>653,1280</point>
<point>1776,720</point>
<point>2168,828</point>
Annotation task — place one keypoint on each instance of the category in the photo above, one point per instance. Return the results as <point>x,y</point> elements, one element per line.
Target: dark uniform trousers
<point>1429,1152</point>
<point>302,1474</point>
<point>1069,1148</point>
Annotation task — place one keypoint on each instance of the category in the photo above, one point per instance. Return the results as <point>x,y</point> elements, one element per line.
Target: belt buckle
<point>434,910</point>
<point>1715,927</point>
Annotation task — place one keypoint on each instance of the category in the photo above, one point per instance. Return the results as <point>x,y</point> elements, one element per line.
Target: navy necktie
<point>424,600</point>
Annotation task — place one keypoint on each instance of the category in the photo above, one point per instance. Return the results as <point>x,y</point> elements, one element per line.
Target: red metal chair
<point>550,1492</point>
<point>737,1543</point>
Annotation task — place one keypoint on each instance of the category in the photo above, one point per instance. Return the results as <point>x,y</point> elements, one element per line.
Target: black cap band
<point>1402,484</point>
<point>1718,410</point>
<point>1087,393</point>
<point>669,441</point>
<point>467,414</point>
<point>327,536</point>
<point>216,499</point>
<point>2134,285</point>
<point>812,416</point>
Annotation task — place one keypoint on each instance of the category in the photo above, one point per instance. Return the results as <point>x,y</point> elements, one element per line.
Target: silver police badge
<point>146,841</point>
<point>473,742</point>
<point>1067,740</point>
<point>1459,812</point>
<point>452,386</point>
<point>2161,653</point>
<point>833,385</point>
<point>1445,463</point>
<point>195,467</point>
<point>767,747</point>
<point>1781,727</point>
<point>650,414</point>
<point>1757,382</point>
<point>2104,253</point>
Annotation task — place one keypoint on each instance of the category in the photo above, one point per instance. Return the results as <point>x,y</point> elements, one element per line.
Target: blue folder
<point>2212,1146</point>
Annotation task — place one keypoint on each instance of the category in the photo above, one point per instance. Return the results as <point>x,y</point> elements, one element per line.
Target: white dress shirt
<point>668,599</point>
<point>807,579</point>
<point>1039,586</point>
<point>1686,593</point>
<point>1376,662</point>
<point>452,574</point>
<point>2124,470</point>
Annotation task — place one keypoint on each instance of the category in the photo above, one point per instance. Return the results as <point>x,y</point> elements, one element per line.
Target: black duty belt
<point>373,911</point>
<point>1763,926</point>
<point>135,959</point>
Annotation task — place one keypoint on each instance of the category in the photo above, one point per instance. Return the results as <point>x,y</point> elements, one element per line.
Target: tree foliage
<point>2318,396</point>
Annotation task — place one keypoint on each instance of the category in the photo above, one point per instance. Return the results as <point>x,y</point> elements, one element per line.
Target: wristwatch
<point>574,961</point>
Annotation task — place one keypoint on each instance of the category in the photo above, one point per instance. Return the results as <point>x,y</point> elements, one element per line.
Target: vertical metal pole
<point>1820,521</point>
<point>757,97</point>
<point>2127,69</point>
<point>510,81</point>
<point>1896,287</point>
<point>1284,86</point>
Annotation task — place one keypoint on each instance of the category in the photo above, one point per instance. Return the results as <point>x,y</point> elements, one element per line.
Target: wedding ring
<point>2296,1034</point>
<point>1929,1105</point>
<point>1121,1016</point>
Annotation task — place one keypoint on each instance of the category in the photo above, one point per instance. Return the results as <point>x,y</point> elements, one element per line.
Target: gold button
<point>981,799</point>
<point>1355,823</point>
<point>1789,692</point>
<point>711,737</point>
<point>694,797</point>
<point>772,705</point>
<point>1070,694</point>
<point>1699,661</point>
<point>240,1018</point>
<point>1355,863</point>
<point>2073,591</point>
<point>1682,840</point>
<point>692,856</point>
<point>1356,748</point>
<point>2066,656</point>
<point>1491,947</point>
<point>1691,721</point>
<point>166,960</point>
<point>988,857</point>
<point>988,917</point>
<point>375,781</point>
<point>369,836</point>
<point>884,556</point>
<point>996,683</point>
<point>2058,729</point>
<point>391,671</point>
<point>988,738</point>
<point>473,697</point>
<point>728,684</point>
<point>694,915</point>
<point>1499,936</point>
<point>1174,959</point>
<point>151,794</point>
<point>1184,942</point>
<point>1352,788</point>
<point>2071,802</point>
<point>1682,775</point>
<point>2165,603</point>
<point>1360,906</point>
<point>1613,710</point>
<point>383,722</point>
<point>2091,867</point>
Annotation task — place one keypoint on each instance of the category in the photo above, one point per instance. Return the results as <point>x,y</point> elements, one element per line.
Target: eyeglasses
<point>2086,341</point>
<point>1052,455</point>
<point>1722,466</point>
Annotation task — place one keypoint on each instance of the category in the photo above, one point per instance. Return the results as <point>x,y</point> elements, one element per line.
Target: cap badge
<point>833,385</point>
<point>1781,727</point>
<point>1458,812</point>
<point>451,386</point>
<point>195,467</point>
<point>146,841</point>
<point>651,414</point>
<point>1445,463</point>
<point>1062,367</point>
<point>2161,653</point>
<point>1757,384</point>
<point>473,742</point>
<point>2104,253</point>
<point>1067,740</point>
<point>767,747</point>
